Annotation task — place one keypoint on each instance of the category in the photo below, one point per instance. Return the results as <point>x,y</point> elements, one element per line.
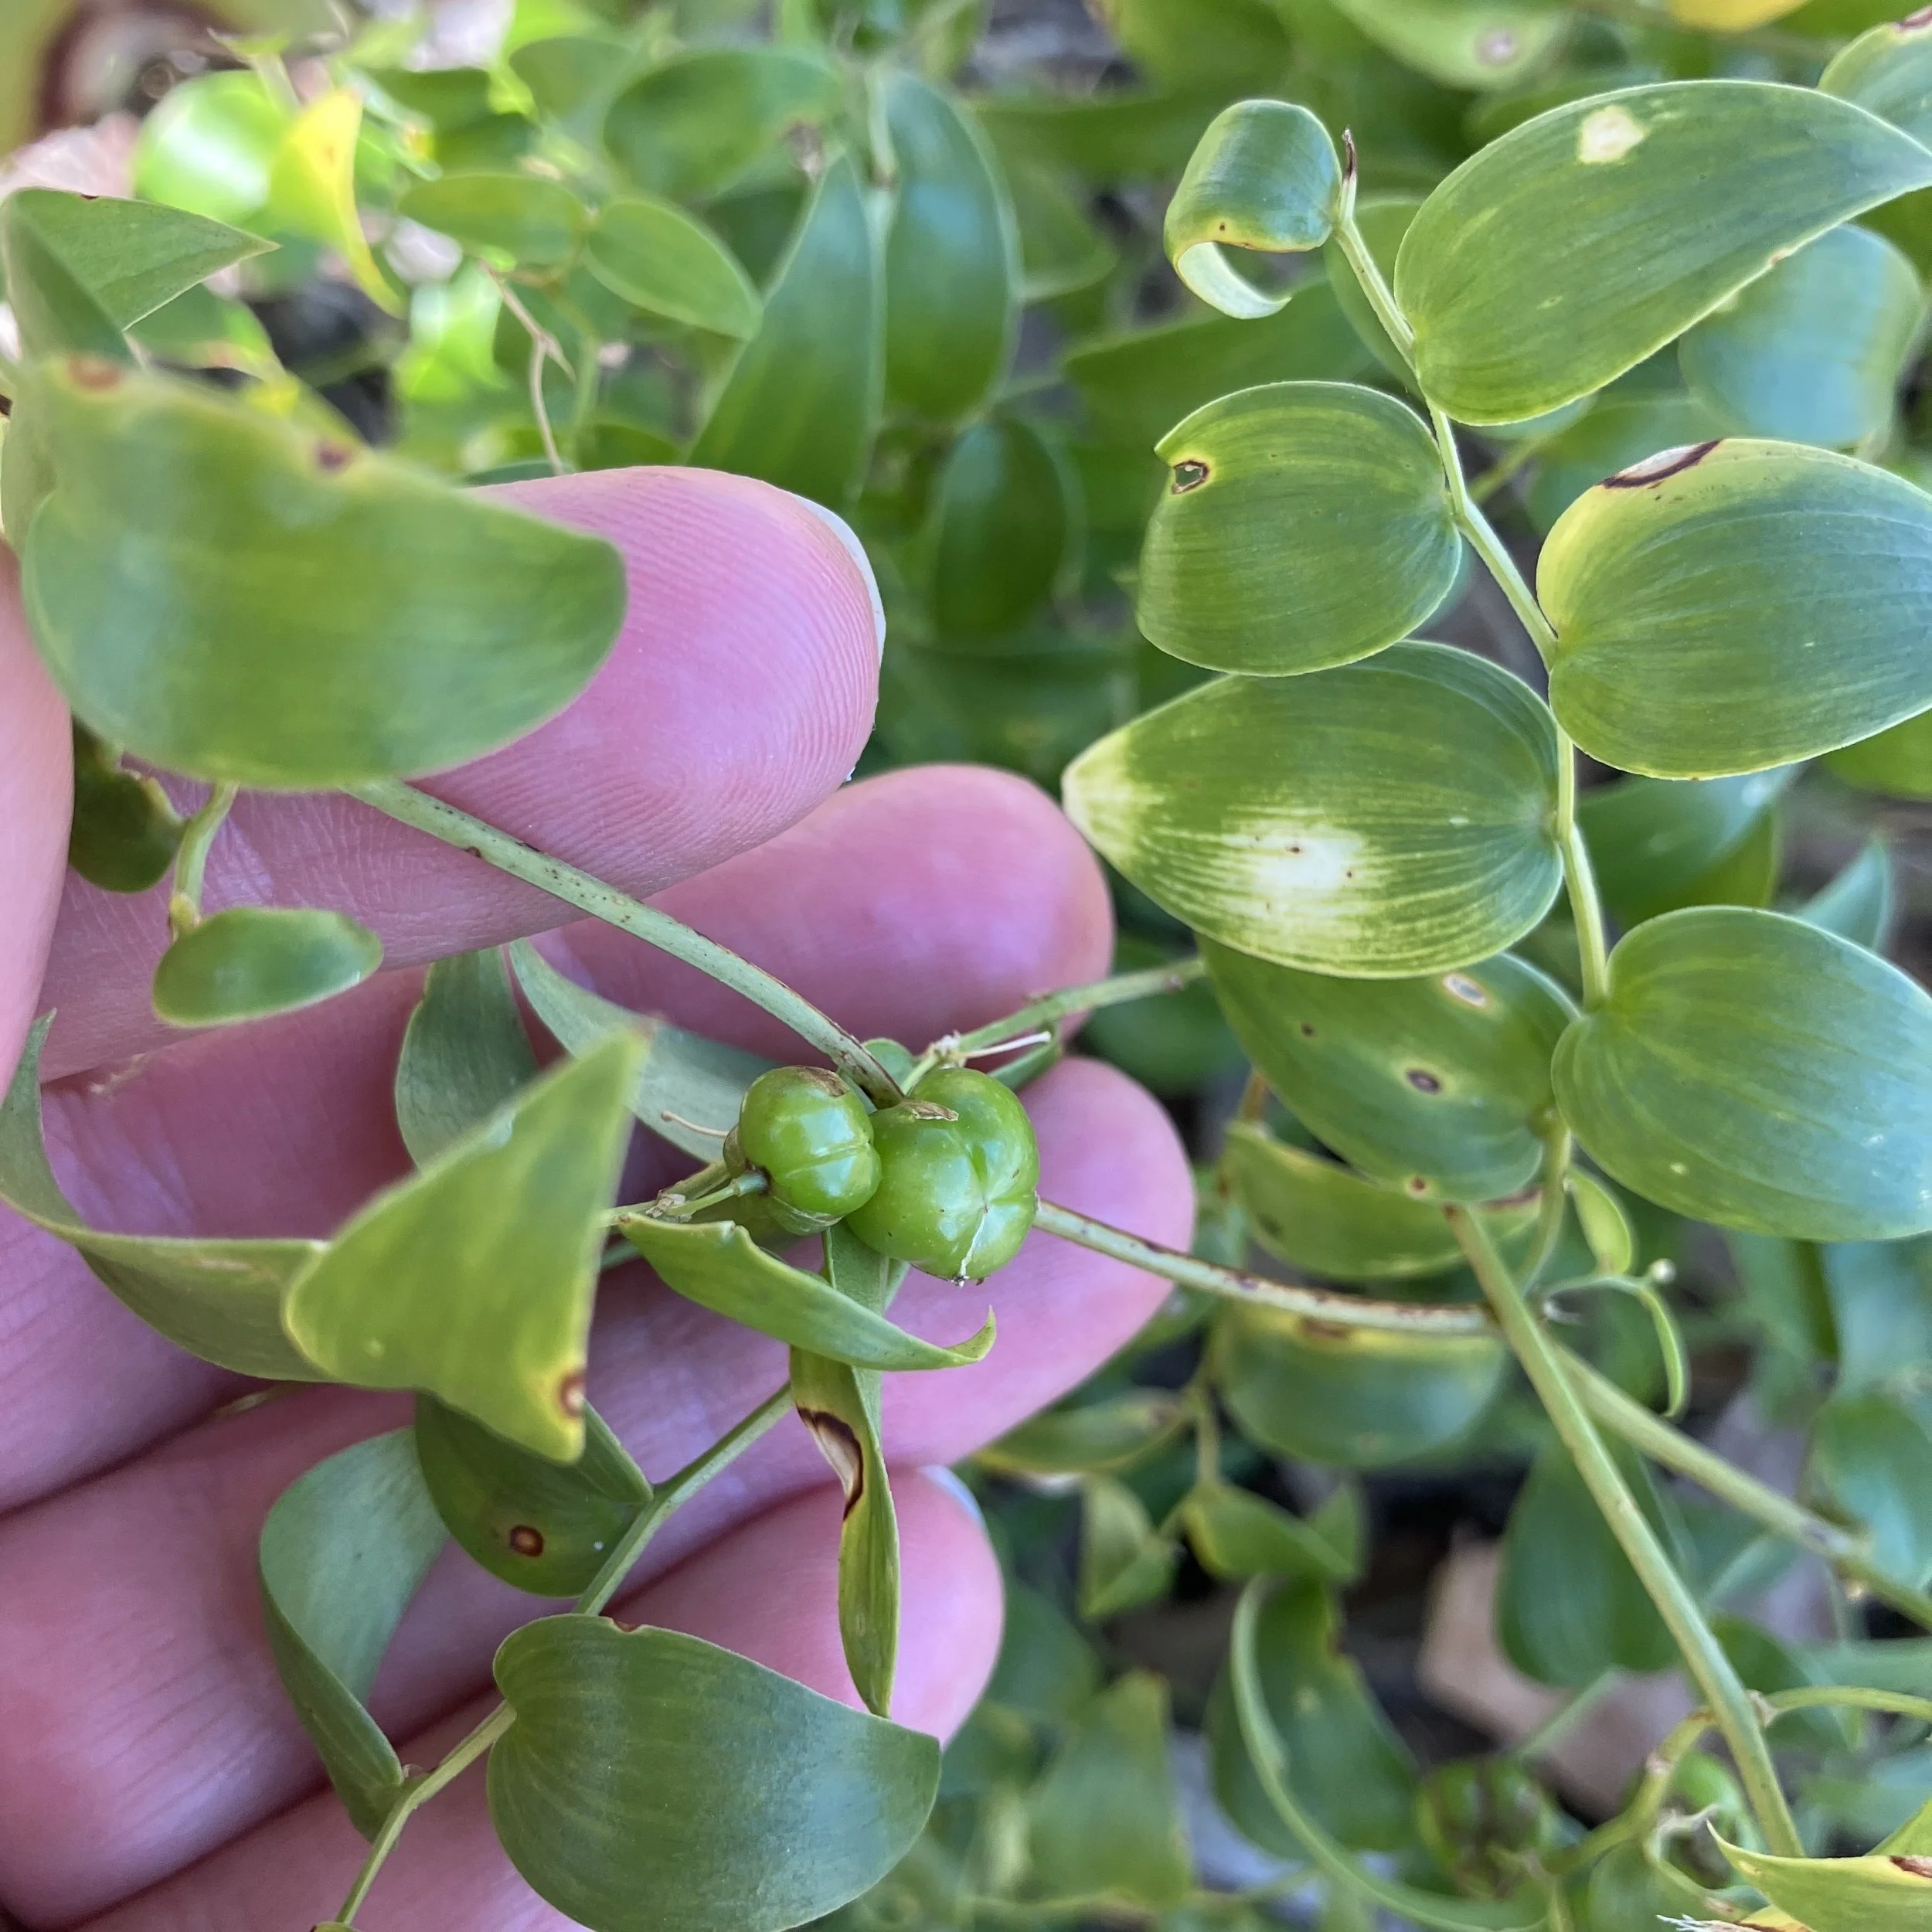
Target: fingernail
<point>848,540</point>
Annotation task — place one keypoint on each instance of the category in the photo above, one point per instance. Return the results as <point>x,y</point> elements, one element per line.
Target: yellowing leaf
<point>311,187</point>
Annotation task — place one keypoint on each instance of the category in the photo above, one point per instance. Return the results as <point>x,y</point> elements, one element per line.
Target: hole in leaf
<point>1189,474</point>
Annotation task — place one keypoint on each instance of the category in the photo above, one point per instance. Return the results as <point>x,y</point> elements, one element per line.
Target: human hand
<point>152,1776</point>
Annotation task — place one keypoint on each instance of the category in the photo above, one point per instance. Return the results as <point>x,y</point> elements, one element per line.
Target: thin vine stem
<point>417,1793</point>
<point>1652,1436</point>
<point>1444,1322</point>
<point>409,807</point>
<point>1580,880</point>
<point>1703,1656</point>
<point>191,859</point>
<point>1116,990</point>
<point>675,1492</point>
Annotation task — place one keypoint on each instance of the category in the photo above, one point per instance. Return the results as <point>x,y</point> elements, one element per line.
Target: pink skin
<point>149,1769</point>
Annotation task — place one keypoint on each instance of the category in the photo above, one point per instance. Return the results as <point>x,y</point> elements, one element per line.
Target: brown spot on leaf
<point>1317,1330</point>
<point>332,457</point>
<point>1348,154</point>
<point>1460,986</point>
<point>839,1442</point>
<point>1422,1079</point>
<point>1308,1032</point>
<point>1920,1867</point>
<point>95,373</point>
<point>1416,1184</point>
<point>1189,474</point>
<point>1653,469</point>
<point>569,1393</point>
<point>527,1540</point>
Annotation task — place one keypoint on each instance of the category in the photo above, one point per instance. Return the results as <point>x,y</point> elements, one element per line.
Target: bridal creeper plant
<point>1359,825</point>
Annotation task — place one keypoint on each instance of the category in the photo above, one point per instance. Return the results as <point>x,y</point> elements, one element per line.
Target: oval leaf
<point>1843,1895</point>
<point>798,407</point>
<point>1350,1398</point>
<point>311,187</point>
<point>473,1280</point>
<point>252,960</point>
<point>1353,474</point>
<point>1689,595</point>
<point>667,263</point>
<point>952,256</point>
<point>1897,762</point>
<point>1322,1217</point>
<point>1859,904</point>
<point>465,1053</point>
<point>1873,1457</point>
<point>1124,1561</point>
<point>1089,1439</point>
<point>1441,1084</point>
<point>1888,70</point>
<point>542,1526</point>
<point>220,1300</point>
<point>1408,833</point>
<point>343,1551</point>
<point>1814,351</point>
<point>533,222</point>
<point>718,1265</point>
<point>1236,1534</point>
<point>209,144</point>
<point>1464,43</point>
<point>767,1805</point>
<point>1000,522</point>
<point>125,831</point>
<point>1264,177</point>
<point>1752,1070</point>
<point>1669,198</point>
<point>431,626</point>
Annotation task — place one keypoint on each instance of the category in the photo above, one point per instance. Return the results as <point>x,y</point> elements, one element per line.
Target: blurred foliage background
<point>904,256</point>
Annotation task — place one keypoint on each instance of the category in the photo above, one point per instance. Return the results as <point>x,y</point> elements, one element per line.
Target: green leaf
<point>1674,195</point>
<point>1657,844</point>
<point>1606,1227</point>
<point>654,1783</point>
<point>523,218</point>
<point>1688,596</point>
<point>220,1300</point>
<point>1897,762</point>
<point>1482,44</point>
<point>998,530</point>
<point>1350,1398</point>
<point>1061,250</point>
<point>55,311</point>
<point>1439,1083</point>
<point>311,187</point>
<point>1236,1534</point>
<point>1859,904</point>
<point>1887,70</point>
<point>1326,1219</point>
<point>545,1527</point>
<point>1815,350</point>
<point>343,1551</point>
<point>1105,1819</point>
<point>667,263</point>
<point>1264,177</point>
<point>473,1280</point>
<point>1615,434</point>
<point>209,144</point>
<point>1346,1764</point>
<point>798,407</point>
<point>1409,833</point>
<point>718,1265</point>
<point>1874,1456</point>
<point>1354,473</point>
<point>1880,1295</point>
<point>415,626</point>
<point>465,1053</point>
<point>839,1405</point>
<point>1750,1070</point>
<point>129,256</point>
<point>952,256</point>
<point>1208,48</point>
<point>685,1083</point>
<point>1094,1438</point>
<point>252,960</point>
<point>1842,1895</point>
<point>1569,1606</point>
<point>125,832</point>
<point>689,125</point>
<point>1124,1561</point>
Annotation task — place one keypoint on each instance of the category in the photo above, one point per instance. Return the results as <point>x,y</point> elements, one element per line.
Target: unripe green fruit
<point>961,1172</point>
<point>810,1135</point>
<point>1481,1818</point>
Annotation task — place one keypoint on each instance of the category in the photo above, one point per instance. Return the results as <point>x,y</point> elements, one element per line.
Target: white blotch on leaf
<point>1608,134</point>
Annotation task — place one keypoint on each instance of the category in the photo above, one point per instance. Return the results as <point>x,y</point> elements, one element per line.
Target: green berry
<point>1482,1817</point>
<point>810,1135</point>
<point>961,1172</point>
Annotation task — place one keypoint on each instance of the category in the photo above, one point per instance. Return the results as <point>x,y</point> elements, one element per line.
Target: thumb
<point>35,798</point>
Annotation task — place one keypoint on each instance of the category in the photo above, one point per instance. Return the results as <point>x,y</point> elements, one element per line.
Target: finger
<point>924,900</point>
<point>36,789</point>
<point>170,1719</point>
<point>738,694</point>
<point>769,1591</point>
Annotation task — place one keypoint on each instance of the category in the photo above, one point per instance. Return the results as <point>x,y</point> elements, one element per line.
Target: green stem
<point>410,806</point>
<point>419,1791</point>
<point>676,1492</point>
<point>1651,1436</point>
<point>1481,536</point>
<point>1571,1712</point>
<point>1579,879</point>
<point>1381,297</point>
<point>191,859</point>
<point>683,1208</point>
<point>1704,1657</point>
<point>1558,1146</point>
<point>1317,1305</point>
<point>1116,990</point>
